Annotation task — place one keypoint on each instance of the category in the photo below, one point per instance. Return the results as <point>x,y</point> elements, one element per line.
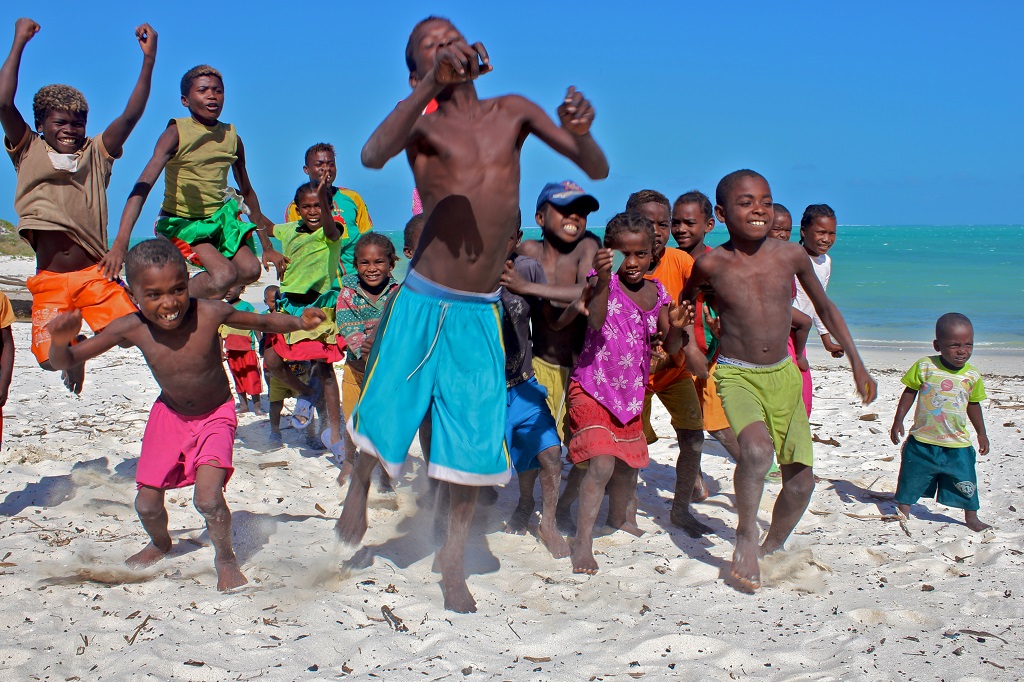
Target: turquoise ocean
<point>891,282</point>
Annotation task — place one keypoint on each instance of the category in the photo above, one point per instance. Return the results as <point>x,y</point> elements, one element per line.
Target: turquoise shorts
<point>438,351</point>
<point>938,472</point>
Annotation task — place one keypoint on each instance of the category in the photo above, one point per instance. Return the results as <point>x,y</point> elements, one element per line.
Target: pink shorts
<point>175,445</point>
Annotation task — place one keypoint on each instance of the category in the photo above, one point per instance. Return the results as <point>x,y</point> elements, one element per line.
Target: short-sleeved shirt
<point>239,339</point>
<point>942,398</point>
<point>6,311</point>
<point>349,211</point>
<point>516,322</point>
<point>355,309</point>
<point>51,200</point>
<point>314,259</point>
<point>673,270</point>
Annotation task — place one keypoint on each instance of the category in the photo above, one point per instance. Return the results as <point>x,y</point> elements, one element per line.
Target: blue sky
<point>893,113</point>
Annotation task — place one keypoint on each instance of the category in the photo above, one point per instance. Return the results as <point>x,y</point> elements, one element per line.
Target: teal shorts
<point>440,352</point>
<point>938,472</point>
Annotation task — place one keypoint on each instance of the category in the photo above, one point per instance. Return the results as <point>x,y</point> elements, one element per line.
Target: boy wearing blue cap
<point>465,160</point>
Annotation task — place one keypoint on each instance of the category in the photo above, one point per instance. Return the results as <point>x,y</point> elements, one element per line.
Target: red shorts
<point>175,445</point>
<point>100,301</point>
<point>596,432</point>
<point>245,368</point>
<point>308,349</point>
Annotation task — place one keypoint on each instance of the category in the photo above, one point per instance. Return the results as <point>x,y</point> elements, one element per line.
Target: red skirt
<point>308,349</point>
<point>596,432</point>
<point>245,368</point>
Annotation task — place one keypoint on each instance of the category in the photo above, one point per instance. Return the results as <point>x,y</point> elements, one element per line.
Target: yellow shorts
<point>680,399</point>
<point>710,403</point>
<point>351,389</point>
<point>555,379</point>
<point>772,395</point>
<point>279,390</point>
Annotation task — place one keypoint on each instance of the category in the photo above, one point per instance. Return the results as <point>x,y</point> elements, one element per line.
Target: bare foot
<point>553,540</point>
<point>243,408</point>
<point>744,564</point>
<point>258,410</point>
<point>346,471</point>
<point>700,489</point>
<point>520,519</point>
<point>974,523</point>
<point>351,527</point>
<point>147,557</point>
<point>229,576</point>
<point>457,596</point>
<point>683,518</point>
<point>74,378</point>
<point>583,560</point>
<point>628,526</point>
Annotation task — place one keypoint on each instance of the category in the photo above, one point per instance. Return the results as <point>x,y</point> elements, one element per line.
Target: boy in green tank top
<point>200,213</point>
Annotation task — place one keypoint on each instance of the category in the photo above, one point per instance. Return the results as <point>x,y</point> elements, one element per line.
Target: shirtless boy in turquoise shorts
<point>439,349</point>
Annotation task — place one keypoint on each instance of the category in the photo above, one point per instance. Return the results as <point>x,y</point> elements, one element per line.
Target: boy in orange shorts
<point>61,196</point>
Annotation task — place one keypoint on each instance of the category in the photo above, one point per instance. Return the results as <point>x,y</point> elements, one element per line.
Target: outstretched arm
<point>514,281</point>
<point>573,139</point>
<point>325,193</point>
<point>865,384</point>
<point>166,148</point>
<point>121,127</point>
<point>263,225</point>
<point>13,123</point>
<point>278,323</point>
<point>64,329</point>
<point>457,63</point>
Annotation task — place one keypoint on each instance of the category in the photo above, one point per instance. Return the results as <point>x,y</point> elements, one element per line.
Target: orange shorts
<point>710,403</point>
<point>100,300</point>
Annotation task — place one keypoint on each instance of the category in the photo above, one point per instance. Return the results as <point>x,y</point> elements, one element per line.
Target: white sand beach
<point>855,596</point>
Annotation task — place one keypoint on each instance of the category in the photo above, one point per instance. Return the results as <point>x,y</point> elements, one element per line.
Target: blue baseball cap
<point>564,193</point>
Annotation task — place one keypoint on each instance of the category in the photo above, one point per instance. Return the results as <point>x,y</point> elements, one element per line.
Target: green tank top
<point>196,177</point>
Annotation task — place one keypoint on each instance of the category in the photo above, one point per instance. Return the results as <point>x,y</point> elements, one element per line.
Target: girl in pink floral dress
<point>626,314</point>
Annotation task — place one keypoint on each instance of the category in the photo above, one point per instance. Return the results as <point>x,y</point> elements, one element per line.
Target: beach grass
<point>10,243</point>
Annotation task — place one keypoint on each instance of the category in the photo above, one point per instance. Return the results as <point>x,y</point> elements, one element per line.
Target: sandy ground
<point>854,597</point>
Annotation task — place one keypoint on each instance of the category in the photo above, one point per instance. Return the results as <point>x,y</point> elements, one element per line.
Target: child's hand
<point>831,346</point>
<point>112,261</point>
<point>679,316</point>
<point>369,334</point>
<point>896,433</point>
<point>510,278</point>
<point>147,39</point>
<point>325,190</point>
<point>280,263</point>
<point>866,386</point>
<point>460,63</point>
<point>25,29</point>
<point>802,364</point>
<point>64,328</point>
<point>982,444</point>
<point>659,358</point>
<point>603,260</point>
<point>311,318</point>
<point>575,112</point>
<point>712,323</point>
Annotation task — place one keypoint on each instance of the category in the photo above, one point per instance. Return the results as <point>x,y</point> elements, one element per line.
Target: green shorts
<point>771,394</point>
<point>224,230</point>
<point>938,472</point>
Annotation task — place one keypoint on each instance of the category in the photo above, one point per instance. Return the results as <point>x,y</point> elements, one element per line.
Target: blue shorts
<point>438,351</point>
<point>530,429</point>
<point>937,472</point>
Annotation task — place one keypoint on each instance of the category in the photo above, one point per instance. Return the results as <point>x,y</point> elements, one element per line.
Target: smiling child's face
<point>161,293</point>
<point>748,212</point>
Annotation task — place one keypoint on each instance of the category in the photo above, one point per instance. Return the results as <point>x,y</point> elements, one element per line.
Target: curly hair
<point>413,229</point>
<point>317,148</point>
<point>303,189</point>
<point>945,325</point>
<point>152,253</point>
<point>195,72</point>
<point>635,223</point>
<point>646,196</point>
<point>726,184</point>
<point>379,240</point>
<point>695,196</point>
<point>57,98</point>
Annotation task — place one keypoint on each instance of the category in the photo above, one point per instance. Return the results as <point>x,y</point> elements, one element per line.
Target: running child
<point>758,383</point>
<point>364,295</point>
<point>191,429</point>
<point>938,460</point>
<point>6,355</point>
<point>347,208</point>
<point>277,390</point>
<point>624,312</point>
<point>693,218</point>
<point>817,236</point>
<point>200,213</point>
<point>312,245</point>
<point>240,352</point>
<point>61,196</point>
<point>465,161</point>
<point>566,252</point>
